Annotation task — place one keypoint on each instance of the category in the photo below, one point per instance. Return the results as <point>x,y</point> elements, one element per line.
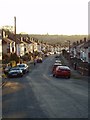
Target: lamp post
<point>68,45</point>
<point>69,48</point>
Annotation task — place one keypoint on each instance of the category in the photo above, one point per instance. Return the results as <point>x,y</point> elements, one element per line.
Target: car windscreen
<point>21,65</point>
<point>63,69</point>
<point>14,69</point>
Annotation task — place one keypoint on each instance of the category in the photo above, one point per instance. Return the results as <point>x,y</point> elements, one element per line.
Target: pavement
<point>75,73</point>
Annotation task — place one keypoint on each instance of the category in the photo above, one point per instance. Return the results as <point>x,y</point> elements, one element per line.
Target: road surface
<point>40,95</point>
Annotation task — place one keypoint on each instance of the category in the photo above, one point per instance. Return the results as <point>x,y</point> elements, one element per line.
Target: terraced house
<point>80,51</point>
<point>21,45</point>
<point>85,51</point>
<point>8,43</point>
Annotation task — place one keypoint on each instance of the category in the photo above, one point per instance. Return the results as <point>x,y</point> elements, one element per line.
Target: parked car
<point>62,71</point>
<point>23,67</point>
<point>55,65</point>
<point>15,73</point>
<point>58,61</point>
<point>7,69</point>
<point>57,56</point>
<point>15,68</point>
<point>51,53</point>
<point>39,60</point>
<point>46,55</point>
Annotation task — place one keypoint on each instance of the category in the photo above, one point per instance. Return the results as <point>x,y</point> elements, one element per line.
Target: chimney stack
<point>77,43</point>
<point>80,41</point>
<point>15,25</point>
<point>84,39</point>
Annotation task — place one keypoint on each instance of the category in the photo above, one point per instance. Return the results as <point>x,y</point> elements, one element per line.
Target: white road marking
<point>45,76</point>
<point>28,77</point>
<point>51,75</point>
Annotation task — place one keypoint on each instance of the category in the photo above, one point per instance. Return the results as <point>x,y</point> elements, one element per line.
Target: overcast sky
<point>46,16</point>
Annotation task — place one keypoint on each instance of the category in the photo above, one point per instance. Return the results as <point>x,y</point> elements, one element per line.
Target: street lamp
<point>68,45</point>
<point>68,41</point>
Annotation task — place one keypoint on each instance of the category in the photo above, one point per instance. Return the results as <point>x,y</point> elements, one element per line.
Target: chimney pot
<point>85,39</point>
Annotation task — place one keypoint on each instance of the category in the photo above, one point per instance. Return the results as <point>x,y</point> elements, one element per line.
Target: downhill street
<point>40,95</point>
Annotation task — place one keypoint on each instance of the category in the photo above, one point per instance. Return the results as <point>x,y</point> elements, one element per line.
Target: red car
<point>62,71</point>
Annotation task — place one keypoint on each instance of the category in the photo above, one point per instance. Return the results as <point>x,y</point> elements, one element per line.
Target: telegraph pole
<point>69,46</point>
<point>15,34</point>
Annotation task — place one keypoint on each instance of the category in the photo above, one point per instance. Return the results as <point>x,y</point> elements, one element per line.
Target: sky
<point>66,17</point>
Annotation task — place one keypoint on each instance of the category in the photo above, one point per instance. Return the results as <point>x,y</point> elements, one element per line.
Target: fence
<point>82,67</point>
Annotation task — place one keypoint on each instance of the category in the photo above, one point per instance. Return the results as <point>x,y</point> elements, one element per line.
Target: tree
<point>27,56</point>
<point>5,58</point>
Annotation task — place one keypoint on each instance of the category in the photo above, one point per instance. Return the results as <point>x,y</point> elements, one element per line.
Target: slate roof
<point>86,45</point>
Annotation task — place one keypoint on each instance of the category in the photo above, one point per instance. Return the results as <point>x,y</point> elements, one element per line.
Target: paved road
<point>40,95</point>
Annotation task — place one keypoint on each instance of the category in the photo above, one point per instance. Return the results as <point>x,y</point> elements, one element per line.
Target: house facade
<point>8,44</point>
<point>39,47</point>
<point>80,52</point>
<point>85,52</point>
<point>21,45</point>
<point>20,49</point>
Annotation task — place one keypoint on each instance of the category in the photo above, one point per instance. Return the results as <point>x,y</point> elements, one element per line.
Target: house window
<point>12,49</point>
<point>25,49</point>
<point>13,44</point>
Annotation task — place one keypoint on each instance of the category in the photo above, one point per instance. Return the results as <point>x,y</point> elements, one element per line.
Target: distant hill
<point>59,39</point>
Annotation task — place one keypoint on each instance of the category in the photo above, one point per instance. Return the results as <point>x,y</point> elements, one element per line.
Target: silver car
<point>23,67</point>
<point>14,72</point>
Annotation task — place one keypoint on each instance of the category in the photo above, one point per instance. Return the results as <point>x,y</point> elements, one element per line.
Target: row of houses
<point>81,50</point>
<point>22,44</point>
<point>80,56</point>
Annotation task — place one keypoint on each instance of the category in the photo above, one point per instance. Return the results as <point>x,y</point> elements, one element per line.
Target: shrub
<point>14,57</point>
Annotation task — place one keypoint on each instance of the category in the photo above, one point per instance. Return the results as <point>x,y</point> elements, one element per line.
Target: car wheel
<point>56,76</point>
<point>68,77</point>
<point>9,76</point>
<point>53,75</point>
<point>20,75</point>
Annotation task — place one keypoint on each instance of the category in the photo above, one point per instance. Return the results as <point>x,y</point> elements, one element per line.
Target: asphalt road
<point>40,95</point>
